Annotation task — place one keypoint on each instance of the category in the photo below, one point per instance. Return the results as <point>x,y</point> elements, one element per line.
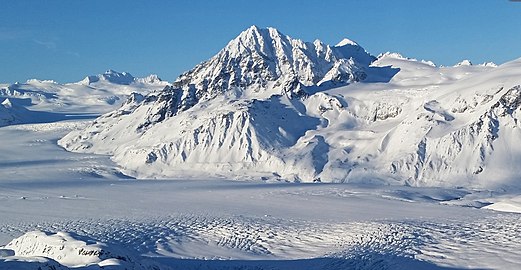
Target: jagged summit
<point>259,63</point>
<point>118,77</point>
<point>151,79</point>
<point>263,61</point>
<point>255,35</point>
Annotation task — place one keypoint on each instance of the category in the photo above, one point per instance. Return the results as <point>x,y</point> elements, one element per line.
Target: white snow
<point>219,224</point>
<point>465,62</point>
<point>489,64</point>
<point>345,42</point>
<point>425,155</point>
<point>506,203</point>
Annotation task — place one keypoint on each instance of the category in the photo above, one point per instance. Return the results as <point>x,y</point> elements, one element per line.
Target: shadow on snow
<point>366,261</point>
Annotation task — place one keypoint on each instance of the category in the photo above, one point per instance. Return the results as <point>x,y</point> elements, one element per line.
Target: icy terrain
<point>80,203</point>
<point>92,219</point>
<point>420,159</point>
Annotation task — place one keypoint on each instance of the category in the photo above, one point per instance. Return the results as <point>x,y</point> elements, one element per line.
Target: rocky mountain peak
<point>261,62</point>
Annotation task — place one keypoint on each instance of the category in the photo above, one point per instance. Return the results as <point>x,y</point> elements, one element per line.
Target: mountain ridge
<point>271,107</point>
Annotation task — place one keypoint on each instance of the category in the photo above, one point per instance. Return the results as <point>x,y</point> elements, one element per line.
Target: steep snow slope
<point>271,107</point>
<point>467,131</point>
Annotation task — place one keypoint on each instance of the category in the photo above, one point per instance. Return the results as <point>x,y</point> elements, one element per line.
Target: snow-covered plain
<point>72,210</point>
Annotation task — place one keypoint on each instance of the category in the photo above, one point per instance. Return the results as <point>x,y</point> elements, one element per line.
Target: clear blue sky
<point>66,40</point>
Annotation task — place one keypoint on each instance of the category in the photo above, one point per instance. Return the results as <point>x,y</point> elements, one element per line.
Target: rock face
<point>271,107</point>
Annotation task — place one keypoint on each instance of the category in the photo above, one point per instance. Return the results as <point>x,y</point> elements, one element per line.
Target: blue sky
<point>68,39</point>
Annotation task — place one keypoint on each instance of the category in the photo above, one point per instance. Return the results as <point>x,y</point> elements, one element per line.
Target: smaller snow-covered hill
<point>40,250</point>
<point>416,73</point>
<point>463,133</point>
<point>111,76</point>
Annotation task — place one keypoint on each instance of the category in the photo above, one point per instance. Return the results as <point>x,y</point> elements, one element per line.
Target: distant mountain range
<point>37,101</point>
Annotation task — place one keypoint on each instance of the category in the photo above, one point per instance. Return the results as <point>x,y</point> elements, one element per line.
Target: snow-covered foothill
<point>506,203</point>
<point>7,116</point>
<point>43,101</point>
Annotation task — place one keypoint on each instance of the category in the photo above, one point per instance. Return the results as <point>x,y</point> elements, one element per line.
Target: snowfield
<point>344,161</point>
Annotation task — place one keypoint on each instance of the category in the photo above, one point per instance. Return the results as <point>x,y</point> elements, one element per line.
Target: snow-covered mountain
<point>121,78</point>
<point>44,100</point>
<point>110,76</point>
<point>260,63</point>
<point>265,60</point>
<point>272,107</point>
